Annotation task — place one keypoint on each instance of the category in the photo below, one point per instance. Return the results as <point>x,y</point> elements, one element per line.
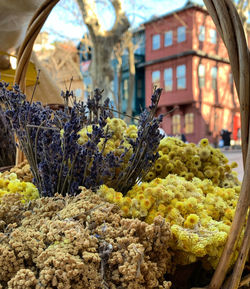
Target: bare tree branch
<point>121,21</point>
<point>103,41</point>
<point>90,18</point>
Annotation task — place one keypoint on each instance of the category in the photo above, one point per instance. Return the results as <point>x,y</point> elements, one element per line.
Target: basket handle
<point>33,30</point>
<point>26,48</point>
<point>228,23</point>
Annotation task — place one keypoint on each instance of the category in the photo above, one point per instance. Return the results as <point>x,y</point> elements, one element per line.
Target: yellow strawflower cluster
<point>190,160</point>
<point>10,184</point>
<point>118,141</point>
<point>199,213</point>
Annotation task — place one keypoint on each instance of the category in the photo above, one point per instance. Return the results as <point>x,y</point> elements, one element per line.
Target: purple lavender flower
<point>7,142</point>
<point>58,163</point>
<point>144,147</point>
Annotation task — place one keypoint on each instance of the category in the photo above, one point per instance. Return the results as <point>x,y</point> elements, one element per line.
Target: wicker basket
<point>229,25</point>
<point>230,28</point>
<point>3,169</point>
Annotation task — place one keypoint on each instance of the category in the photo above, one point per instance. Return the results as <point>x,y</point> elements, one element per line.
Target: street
<point>235,155</point>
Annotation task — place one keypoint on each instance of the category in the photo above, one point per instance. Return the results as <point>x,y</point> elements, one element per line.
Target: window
<point>214,77</point>
<point>189,123</point>
<point>202,33</point>
<point>181,76</point>
<point>213,36</point>
<point>168,39</point>
<point>156,42</point>
<point>176,124</point>
<point>168,79</point>
<point>156,78</point>
<point>125,89</point>
<point>181,34</point>
<point>139,88</point>
<point>201,75</point>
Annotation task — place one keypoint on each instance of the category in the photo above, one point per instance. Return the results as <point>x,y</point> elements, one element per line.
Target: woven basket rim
<point>229,26</point>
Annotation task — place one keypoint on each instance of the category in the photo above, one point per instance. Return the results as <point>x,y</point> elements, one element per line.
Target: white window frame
<point>155,44</point>
<point>202,75</point>
<point>176,124</point>
<point>181,34</point>
<point>214,77</point>
<point>189,122</point>
<point>213,36</point>
<point>181,75</point>
<point>202,33</point>
<point>168,79</point>
<point>168,36</point>
<point>156,82</point>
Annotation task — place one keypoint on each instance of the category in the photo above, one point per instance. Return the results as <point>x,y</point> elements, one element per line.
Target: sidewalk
<point>235,156</point>
<point>231,150</point>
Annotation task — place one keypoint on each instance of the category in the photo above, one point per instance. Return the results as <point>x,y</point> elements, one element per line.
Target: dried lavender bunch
<point>49,140</point>
<point>7,142</point>
<point>58,163</point>
<point>27,120</point>
<point>144,147</point>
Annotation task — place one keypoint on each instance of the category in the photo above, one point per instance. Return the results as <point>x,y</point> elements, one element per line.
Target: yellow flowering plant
<point>10,184</point>
<point>199,213</point>
<point>190,160</point>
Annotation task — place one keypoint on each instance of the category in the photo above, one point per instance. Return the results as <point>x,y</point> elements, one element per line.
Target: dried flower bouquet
<point>49,140</point>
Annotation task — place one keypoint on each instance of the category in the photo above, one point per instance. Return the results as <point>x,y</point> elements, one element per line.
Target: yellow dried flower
<point>191,221</point>
<point>208,173</point>
<point>204,154</point>
<point>234,165</point>
<point>125,210</point>
<point>9,184</point>
<point>158,166</point>
<point>150,176</point>
<point>146,204</point>
<point>204,142</point>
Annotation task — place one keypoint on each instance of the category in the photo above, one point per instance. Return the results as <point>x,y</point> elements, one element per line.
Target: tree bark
<point>131,77</point>
<point>103,42</point>
<point>119,77</point>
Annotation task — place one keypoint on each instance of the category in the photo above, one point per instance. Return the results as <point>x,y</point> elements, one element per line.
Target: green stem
<point>62,164</point>
<point>71,173</point>
<point>36,165</point>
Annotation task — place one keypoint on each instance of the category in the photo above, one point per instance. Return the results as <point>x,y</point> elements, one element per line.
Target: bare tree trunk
<point>131,77</point>
<point>100,69</point>
<point>103,42</point>
<point>119,77</point>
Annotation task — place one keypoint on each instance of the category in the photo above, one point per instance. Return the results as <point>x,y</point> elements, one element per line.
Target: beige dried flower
<point>24,278</point>
<point>22,171</point>
<point>80,243</point>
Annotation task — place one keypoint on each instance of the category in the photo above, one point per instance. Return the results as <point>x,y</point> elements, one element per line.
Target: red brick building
<point>187,58</point>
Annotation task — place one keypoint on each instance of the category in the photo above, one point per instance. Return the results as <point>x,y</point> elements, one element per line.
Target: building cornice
<point>198,53</point>
<point>171,13</point>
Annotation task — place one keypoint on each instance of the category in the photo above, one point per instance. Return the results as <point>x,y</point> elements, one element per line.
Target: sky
<point>65,23</point>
